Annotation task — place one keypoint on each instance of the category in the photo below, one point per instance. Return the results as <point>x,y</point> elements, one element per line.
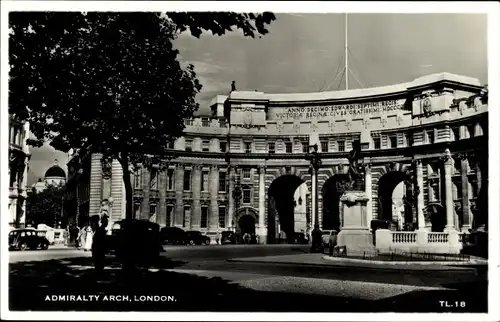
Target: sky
<point>304,53</point>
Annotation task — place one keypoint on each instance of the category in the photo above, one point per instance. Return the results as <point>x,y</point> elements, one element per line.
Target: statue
<point>355,169</point>
<point>233,86</point>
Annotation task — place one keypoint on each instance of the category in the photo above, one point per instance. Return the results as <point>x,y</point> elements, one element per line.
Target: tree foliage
<point>109,81</point>
<point>45,207</point>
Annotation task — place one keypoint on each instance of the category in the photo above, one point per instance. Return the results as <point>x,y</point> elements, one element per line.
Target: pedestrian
<point>217,238</point>
<point>88,239</point>
<point>99,246</point>
<point>81,238</point>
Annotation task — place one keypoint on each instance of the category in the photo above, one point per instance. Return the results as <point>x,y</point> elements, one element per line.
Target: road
<point>287,287</point>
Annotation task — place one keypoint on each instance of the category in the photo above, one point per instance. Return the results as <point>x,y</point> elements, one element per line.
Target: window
<point>470,128</point>
<point>152,210</point>
<point>189,145</point>
<point>324,146</point>
<point>204,217</point>
<point>305,147</point>
<point>271,147</point>
<point>205,145</point>
<point>137,210</point>
<point>187,180</point>
<point>246,195</point>
<point>187,215</point>
<point>455,132</point>
<point>222,123</point>
<point>394,141</point>
<point>170,211</point>
<point>137,179</point>
<point>170,144</point>
<point>204,181</point>
<point>189,122</point>
<point>376,143</point>
<point>341,146</point>
<point>430,137</point>
<point>154,179</point>
<point>223,146</point>
<point>246,173</point>
<point>288,147</point>
<point>205,122</point>
<point>222,217</point>
<point>248,147</point>
<point>170,179</point>
<point>222,181</point>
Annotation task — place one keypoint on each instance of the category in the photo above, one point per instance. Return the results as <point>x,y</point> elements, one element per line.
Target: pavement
<point>322,260</point>
<point>244,278</point>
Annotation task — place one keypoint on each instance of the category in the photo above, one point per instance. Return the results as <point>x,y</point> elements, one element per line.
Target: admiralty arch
<point>246,166</point>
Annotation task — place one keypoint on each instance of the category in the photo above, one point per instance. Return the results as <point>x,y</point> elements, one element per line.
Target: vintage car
<point>134,240</point>
<point>228,237</point>
<point>173,235</point>
<point>300,238</point>
<point>23,239</point>
<point>194,237</point>
<point>328,235</point>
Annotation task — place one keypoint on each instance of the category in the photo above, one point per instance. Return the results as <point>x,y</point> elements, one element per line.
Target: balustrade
<point>404,237</point>
<point>437,237</point>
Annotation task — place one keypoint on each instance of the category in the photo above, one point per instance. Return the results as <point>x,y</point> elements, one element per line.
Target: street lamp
<point>315,160</point>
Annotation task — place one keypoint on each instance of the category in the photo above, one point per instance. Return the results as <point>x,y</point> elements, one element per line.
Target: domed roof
<point>55,171</point>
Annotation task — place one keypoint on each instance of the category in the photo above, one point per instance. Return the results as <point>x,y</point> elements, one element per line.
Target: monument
<point>355,231</point>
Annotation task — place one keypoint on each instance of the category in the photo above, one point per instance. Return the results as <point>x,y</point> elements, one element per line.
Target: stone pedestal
<point>355,232</point>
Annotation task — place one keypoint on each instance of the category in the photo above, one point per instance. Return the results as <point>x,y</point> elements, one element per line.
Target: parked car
<point>228,237</point>
<point>300,238</point>
<point>23,239</point>
<point>135,240</point>
<point>173,235</point>
<point>328,235</point>
<point>196,238</point>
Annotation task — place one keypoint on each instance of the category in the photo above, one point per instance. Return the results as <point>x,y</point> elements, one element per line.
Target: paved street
<point>204,276</point>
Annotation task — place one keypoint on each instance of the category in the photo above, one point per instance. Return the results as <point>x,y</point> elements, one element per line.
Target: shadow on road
<point>31,282</point>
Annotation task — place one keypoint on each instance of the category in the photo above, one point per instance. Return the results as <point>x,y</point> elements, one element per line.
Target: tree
<point>45,207</point>
<point>109,82</point>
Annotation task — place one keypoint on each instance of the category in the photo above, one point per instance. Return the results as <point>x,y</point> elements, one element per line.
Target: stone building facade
<point>19,156</point>
<point>239,167</point>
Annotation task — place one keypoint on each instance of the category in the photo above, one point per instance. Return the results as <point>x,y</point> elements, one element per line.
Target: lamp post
<point>315,160</point>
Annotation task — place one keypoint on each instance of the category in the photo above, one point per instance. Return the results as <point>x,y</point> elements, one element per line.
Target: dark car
<point>173,235</point>
<point>196,238</point>
<point>300,238</point>
<point>228,237</point>
<point>23,239</point>
<point>135,240</point>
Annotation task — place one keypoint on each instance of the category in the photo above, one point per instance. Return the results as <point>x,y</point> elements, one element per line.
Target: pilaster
<point>162,204</point>
<point>117,192</point>
<point>213,215</point>
<point>420,196</point>
<point>146,186</point>
<point>179,192</point>
<point>466,214</point>
<point>196,189</point>
<point>230,210</point>
<point>448,168</point>
<point>262,204</point>
<point>95,184</point>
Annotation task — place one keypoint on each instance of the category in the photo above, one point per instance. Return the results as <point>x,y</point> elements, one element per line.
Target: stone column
<point>196,189</point>
<point>314,197</point>
<point>420,196</point>
<point>262,204</point>
<point>368,190</point>
<point>95,184</point>
<point>448,168</point>
<point>161,217</point>
<point>179,193</point>
<point>146,187</point>
<point>213,220</point>
<point>466,214</point>
<point>230,210</point>
<point>117,192</point>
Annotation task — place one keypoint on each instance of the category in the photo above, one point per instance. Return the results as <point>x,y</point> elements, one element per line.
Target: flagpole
<point>346,56</point>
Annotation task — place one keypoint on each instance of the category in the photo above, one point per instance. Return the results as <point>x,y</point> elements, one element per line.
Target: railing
<point>404,237</point>
<point>437,238</point>
<point>463,237</point>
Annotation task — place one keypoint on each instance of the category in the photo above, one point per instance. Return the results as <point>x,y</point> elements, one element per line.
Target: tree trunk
<point>129,205</point>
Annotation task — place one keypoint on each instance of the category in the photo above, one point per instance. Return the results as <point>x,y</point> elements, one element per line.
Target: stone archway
<point>394,191</point>
<point>435,216</point>
<point>331,201</point>
<point>246,219</point>
<point>281,207</point>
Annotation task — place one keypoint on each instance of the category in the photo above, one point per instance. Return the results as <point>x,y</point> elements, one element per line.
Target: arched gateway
<point>240,166</point>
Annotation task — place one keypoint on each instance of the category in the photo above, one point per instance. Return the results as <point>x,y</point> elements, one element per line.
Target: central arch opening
<point>281,208</point>
<point>246,225</point>
<point>331,201</point>
<point>394,190</point>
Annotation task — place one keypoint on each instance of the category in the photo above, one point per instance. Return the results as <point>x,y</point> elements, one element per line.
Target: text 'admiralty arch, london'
<point>247,166</point>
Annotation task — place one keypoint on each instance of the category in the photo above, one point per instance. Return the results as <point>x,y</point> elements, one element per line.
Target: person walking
<point>82,234</point>
<point>88,239</point>
<point>99,246</point>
